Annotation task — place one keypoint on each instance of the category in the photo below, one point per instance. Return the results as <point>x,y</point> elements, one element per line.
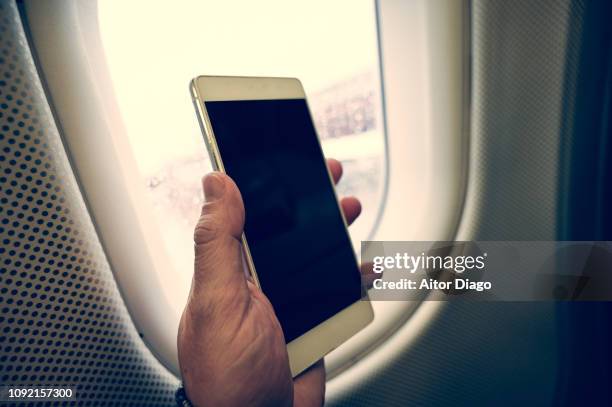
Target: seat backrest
<point>62,318</point>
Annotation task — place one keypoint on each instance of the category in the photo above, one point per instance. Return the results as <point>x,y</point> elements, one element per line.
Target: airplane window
<point>334,53</point>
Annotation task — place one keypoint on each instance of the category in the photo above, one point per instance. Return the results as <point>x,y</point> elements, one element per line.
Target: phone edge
<point>217,162</point>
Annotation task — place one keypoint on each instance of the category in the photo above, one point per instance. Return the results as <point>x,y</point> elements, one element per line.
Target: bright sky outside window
<point>331,46</point>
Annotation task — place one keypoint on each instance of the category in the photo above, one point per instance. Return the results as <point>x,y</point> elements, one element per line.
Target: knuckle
<point>207,229</point>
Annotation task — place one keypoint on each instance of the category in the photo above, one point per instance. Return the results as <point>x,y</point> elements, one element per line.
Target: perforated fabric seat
<point>62,319</point>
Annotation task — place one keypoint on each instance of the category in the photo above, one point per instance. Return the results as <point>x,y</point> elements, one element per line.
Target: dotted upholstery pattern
<point>521,54</point>
<point>62,319</point>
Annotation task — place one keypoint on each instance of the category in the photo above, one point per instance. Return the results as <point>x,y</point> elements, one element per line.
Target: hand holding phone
<point>231,346</point>
<point>259,131</point>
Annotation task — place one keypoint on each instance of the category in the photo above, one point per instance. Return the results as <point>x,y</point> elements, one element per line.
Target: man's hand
<point>230,344</point>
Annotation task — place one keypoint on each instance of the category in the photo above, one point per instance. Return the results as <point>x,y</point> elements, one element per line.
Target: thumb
<point>217,237</point>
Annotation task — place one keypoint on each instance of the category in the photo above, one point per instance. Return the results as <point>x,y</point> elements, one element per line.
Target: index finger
<point>335,168</point>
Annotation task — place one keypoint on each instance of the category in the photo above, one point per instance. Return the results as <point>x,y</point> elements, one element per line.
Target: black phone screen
<point>294,228</point>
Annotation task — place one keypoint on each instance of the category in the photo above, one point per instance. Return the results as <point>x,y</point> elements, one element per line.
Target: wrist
<point>181,398</point>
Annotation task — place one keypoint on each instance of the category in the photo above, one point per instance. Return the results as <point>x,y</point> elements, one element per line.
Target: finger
<point>335,167</point>
<point>351,207</point>
<point>309,386</point>
<point>368,275</point>
<point>218,261</point>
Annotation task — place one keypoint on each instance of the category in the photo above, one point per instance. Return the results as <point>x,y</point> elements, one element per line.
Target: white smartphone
<point>260,132</point>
